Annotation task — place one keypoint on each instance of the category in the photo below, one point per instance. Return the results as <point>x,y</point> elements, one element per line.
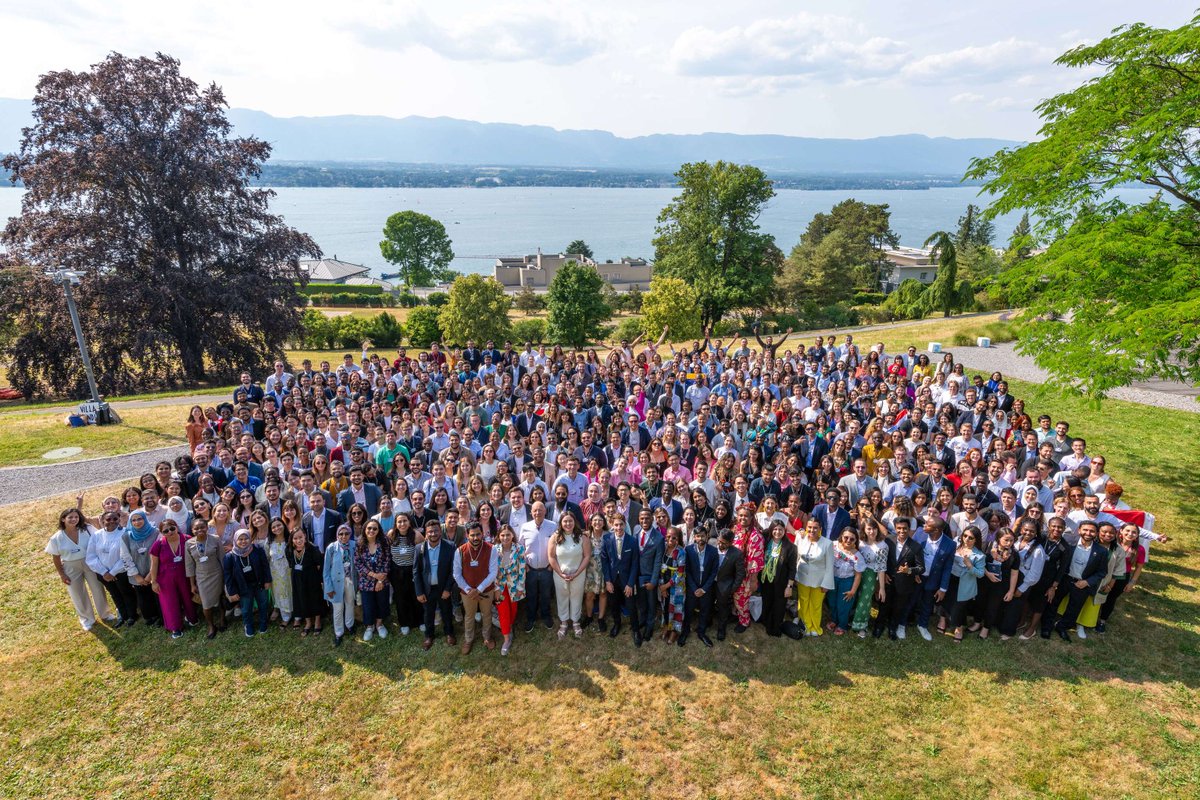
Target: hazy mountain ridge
<point>447,141</point>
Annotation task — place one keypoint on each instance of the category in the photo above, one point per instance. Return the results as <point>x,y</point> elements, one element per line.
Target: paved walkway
<point>1004,359</point>
<point>19,484</point>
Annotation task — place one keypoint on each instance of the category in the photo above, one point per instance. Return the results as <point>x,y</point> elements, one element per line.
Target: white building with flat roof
<point>537,271</point>
<point>905,263</point>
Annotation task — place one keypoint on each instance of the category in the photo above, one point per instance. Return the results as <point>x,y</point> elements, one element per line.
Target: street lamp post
<point>66,279</point>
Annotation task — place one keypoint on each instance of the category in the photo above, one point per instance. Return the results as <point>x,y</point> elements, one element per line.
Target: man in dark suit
<point>433,566</point>
<point>938,558</point>
<point>359,491</point>
<point>833,518</point>
<point>905,563</point>
<point>619,567</point>
<point>627,507</point>
<point>811,448</point>
<point>320,524</point>
<point>651,547</point>
<point>700,565</point>
<point>731,571</point>
<point>203,464</point>
<point>1083,567</point>
<point>561,506</point>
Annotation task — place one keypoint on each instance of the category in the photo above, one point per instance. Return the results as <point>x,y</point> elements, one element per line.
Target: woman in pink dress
<point>168,578</point>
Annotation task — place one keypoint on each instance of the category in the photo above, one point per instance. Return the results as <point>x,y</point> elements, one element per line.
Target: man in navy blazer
<point>433,568</point>
<point>651,549</point>
<point>359,491</point>
<point>1083,567</point>
<point>935,580</point>
<point>700,567</point>
<point>810,449</point>
<point>619,567</point>
<point>833,518</point>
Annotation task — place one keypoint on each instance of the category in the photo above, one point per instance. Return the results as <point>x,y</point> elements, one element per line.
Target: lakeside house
<point>334,272</point>
<point>537,271</point>
<point>905,263</point>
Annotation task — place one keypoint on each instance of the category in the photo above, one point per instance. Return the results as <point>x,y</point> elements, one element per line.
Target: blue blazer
<point>335,569</point>
<point>674,509</point>
<point>623,571</point>
<point>370,491</point>
<point>943,563</point>
<point>693,559</point>
<point>650,557</point>
<point>841,519</point>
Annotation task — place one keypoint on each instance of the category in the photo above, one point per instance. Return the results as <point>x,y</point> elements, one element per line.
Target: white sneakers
<point>382,632</point>
<point>1080,631</point>
<point>925,634</point>
<point>404,630</point>
<point>367,634</point>
<point>900,632</point>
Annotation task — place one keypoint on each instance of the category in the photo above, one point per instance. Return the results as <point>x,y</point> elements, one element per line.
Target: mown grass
<point>28,435</point>
<point>131,713</point>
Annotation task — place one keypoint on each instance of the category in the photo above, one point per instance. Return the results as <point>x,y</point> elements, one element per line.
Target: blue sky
<point>852,68</point>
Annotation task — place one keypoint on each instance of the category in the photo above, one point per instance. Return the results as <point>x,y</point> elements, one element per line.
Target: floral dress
<point>594,580</point>
<point>674,577</point>
<point>281,579</point>
<point>750,542</point>
<point>511,575</point>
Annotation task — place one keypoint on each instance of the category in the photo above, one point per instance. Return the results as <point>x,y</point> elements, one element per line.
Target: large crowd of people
<point>683,495</point>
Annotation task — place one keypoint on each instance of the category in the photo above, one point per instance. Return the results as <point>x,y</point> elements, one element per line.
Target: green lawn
<point>131,713</point>
<point>28,435</point>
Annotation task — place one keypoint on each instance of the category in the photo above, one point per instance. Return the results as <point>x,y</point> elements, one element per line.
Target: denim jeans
<point>255,597</point>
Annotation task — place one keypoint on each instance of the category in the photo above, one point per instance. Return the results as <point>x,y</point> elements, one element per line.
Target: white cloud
<point>966,97</point>
<point>1001,103</point>
<point>801,45</point>
<point>986,63</point>
<point>497,34</point>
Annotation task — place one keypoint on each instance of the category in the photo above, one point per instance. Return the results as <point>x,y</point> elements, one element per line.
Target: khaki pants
<point>483,604</point>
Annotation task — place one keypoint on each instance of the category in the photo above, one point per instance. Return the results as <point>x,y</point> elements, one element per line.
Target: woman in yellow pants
<point>814,575</point>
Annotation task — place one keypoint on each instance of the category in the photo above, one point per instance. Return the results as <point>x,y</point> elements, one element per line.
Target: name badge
<point>246,568</point>
<point>299,568</point>
<point>177,559</point>
<point>142,550</point>
<point>203,559</point>
<point>475,563</point>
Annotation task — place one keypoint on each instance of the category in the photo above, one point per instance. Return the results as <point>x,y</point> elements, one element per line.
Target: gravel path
<point>19,484</point>
<point>1004,359</point>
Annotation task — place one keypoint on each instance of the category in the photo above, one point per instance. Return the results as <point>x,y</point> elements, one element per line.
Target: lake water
<point>485,223</point>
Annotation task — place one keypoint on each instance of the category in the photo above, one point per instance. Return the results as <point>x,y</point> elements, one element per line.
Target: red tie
<point>643,542</point>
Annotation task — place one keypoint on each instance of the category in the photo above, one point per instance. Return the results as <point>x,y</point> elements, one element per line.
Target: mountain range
<point>444,140</point>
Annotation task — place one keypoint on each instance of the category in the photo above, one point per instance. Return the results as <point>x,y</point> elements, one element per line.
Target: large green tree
<point>708,236</point>
<point>419,247</point>
<point>133,179</point>
<point>579,248</point>
<point>1116,297</point>
<point>839,251</point>
<point>576,305</point>
<point>975,229</point>
<point>947,293</point>
<point>477,310</point>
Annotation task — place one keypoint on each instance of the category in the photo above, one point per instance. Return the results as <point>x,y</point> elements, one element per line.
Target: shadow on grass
<point>1147,643</point>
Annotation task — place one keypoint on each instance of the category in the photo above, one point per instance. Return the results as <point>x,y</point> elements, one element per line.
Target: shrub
<point>867,298</point>
<point>628,328</point>
<point>437,299</point>
<point>673,303</point>
<point>477,309</point>
<point>873,315</point>
<point>326,288</point>
<point>529,330</point>
<point>424,327</point>
<point>726,327</point>
<point>406,299</point>
<point>962,339</point>
<point>385,331</point>
<point>1001,331</point>
<point>352,331</point>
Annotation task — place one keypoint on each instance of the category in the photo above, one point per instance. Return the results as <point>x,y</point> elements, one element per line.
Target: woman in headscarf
<point>139,535</point>
<point>203,559</point>
<point>248,579</point>
<point>177,511</point>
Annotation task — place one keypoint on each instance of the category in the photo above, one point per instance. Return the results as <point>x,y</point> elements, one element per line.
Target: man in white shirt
<point>576,483</point>
<point>704,482</point>
<point>964,442</point>
<point>534,536</point>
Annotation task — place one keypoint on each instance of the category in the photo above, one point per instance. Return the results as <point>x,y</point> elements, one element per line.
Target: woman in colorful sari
<point>671,587</point>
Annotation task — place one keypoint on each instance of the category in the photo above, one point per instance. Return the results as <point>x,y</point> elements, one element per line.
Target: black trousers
<point>698,610</point>
<point>123,596</point>
<point>404,595</point>
<point>147,602</point>
<point>1111,602</point>
<point>724,609</point>
<point>1076,597</point>
<point>617,601</point>
<point>774,604</point>
<point>899,601</point>
<point>647,607</point>
<point>539,588</point>
<point>434,602</point>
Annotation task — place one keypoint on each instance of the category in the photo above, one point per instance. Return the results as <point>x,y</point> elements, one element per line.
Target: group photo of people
<point>672,494</point>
